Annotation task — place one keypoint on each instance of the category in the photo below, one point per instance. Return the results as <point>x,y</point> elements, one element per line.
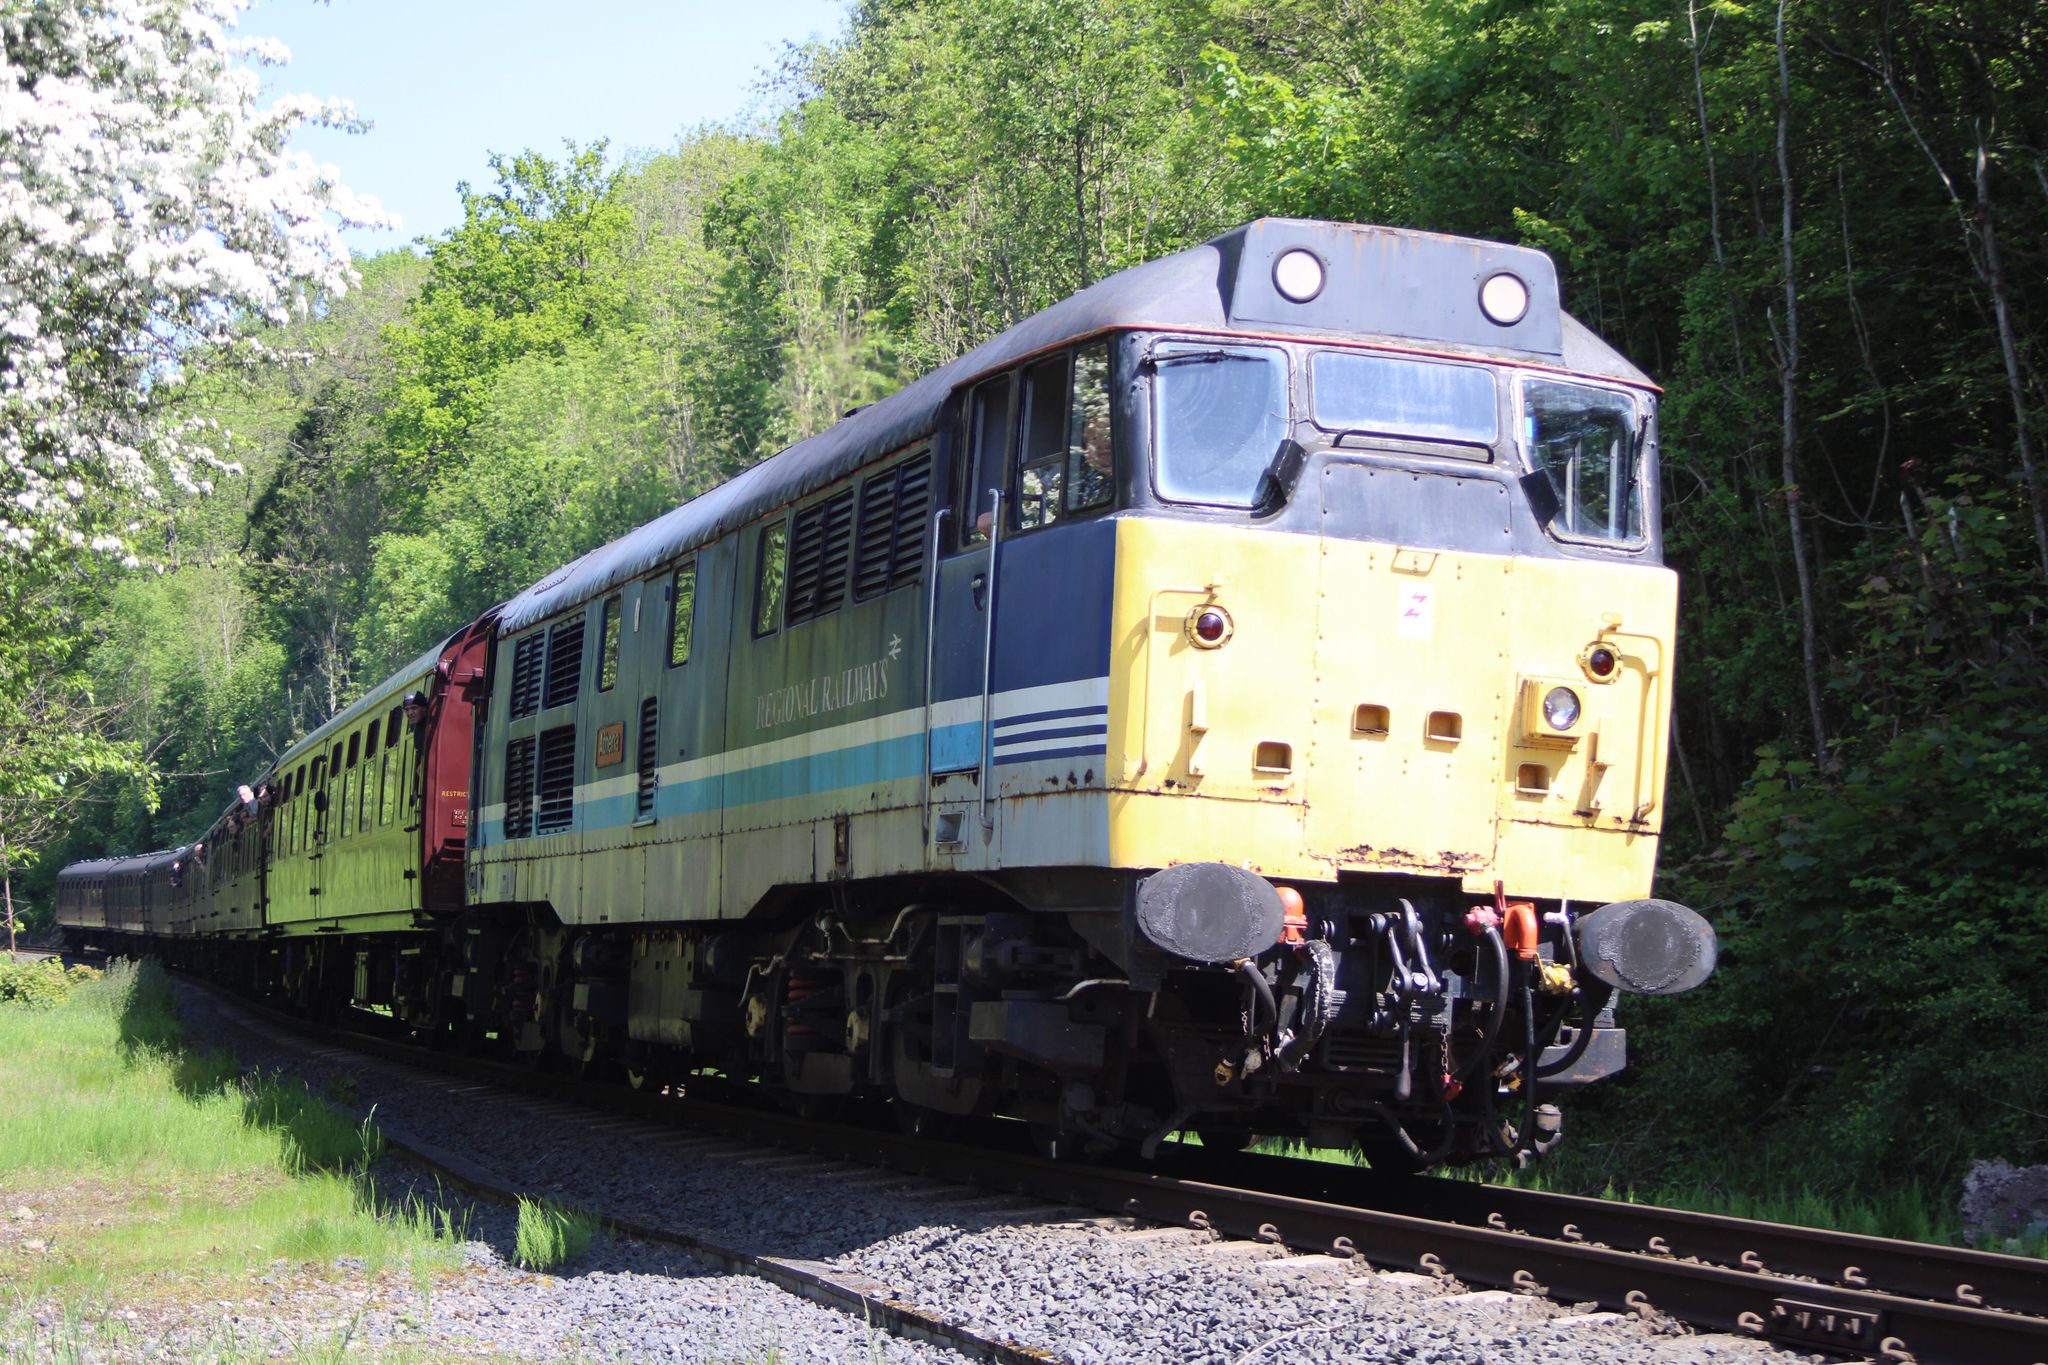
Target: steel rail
<point>1400,1225</point>
<point>1970,1278</point>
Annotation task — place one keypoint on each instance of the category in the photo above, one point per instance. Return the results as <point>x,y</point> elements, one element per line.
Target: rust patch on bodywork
<point>1446,861</point>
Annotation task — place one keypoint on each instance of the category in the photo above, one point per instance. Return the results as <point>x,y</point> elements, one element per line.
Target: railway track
<point>1799,1287</point>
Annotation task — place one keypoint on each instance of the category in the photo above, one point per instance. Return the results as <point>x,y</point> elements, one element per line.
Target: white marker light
<point>1561,708</point>
<point>1504,298</point>
<point>1298,275</point>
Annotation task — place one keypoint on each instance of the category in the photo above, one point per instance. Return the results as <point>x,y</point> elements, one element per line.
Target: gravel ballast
<point>1081,1288</point>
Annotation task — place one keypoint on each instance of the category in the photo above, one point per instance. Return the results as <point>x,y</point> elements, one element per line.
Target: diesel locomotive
<point>1233,700</point>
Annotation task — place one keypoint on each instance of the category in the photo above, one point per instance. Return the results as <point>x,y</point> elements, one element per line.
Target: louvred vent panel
<point>526,659</point>
<point>556,809</point>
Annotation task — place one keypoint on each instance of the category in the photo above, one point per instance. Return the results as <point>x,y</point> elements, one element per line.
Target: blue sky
<point>446,82</point>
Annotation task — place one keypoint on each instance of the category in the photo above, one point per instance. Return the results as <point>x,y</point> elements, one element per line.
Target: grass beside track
<point>141,1179</point>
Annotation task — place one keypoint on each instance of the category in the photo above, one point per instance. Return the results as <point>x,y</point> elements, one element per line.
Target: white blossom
<point>149,210</point>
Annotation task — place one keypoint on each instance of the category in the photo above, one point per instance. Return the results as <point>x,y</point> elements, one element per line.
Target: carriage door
<point>963,607</point>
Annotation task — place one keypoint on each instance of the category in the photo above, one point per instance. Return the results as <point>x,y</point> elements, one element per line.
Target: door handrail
<point>931,639</point>
<point>988,660</point>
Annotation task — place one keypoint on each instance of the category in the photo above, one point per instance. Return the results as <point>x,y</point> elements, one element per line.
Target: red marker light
<point>1208,626</point>
<point>1602,661</point>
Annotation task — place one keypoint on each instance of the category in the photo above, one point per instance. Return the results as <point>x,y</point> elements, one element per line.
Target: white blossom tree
<point>150,214</point>
<point>149,206</point>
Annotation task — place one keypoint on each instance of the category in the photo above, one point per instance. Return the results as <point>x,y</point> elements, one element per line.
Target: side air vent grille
<point>557,806</point>
<point>519,787</point>
<point>526,657</point>
<point>822,539</point>
<point>650,758</point>
<point>893,508</point>
<point>565,663</point>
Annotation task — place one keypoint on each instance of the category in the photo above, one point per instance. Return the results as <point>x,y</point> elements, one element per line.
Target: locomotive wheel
<point>1389,1158</point>
<point>1055,1144</point>
<point>1226,1139</point>
<point>581,1049</point>
<point>914,1120</point>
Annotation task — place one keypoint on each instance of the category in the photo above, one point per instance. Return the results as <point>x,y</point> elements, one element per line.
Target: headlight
<point>1504,298</point>
<point>1298,275</point>
<point>1561,708</point>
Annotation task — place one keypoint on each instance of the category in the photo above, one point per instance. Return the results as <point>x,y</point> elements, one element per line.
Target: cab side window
<point>988,449</point>
<point>772,573</point>
<point>1042,448</point>
<point>608,655</point>
<point>1091,463</point>
<point>1065,464</point>
<point>682,610</point>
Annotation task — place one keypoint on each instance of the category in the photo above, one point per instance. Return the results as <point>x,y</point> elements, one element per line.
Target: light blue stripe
<point>857,765</point>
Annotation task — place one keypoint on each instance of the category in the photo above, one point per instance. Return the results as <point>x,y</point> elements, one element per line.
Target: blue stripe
<point>1037,716</point>
<point>857,765</point>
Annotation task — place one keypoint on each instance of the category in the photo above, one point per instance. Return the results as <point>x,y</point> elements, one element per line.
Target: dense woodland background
<point>1822,226</point>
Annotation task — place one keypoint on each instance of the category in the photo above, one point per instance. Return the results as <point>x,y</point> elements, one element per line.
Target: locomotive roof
<point>1214,286</point>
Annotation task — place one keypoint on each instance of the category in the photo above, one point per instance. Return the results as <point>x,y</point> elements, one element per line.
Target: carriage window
<point>351,787</point>
<point>1584,446</point>
<point>608,659</point>
<point>1090,468</point>
<point>682,610</point>
<point>1219,415</point>
<point>1390,396</point>
<point>367,800</point>
<point>988,433</point>
<point>772,571</point>
<point>391,729</point>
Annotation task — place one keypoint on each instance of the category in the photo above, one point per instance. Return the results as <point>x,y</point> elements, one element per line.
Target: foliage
<point>149,209</point>
<point>41,983</point>
<point>550,1235</point>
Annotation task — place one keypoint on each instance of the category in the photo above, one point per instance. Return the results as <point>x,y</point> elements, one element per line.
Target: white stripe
<point>1023,701</point>
<point>609,786</point>
<point>1039,746</point>
<point>875,729</point>
<point>1035,728</point>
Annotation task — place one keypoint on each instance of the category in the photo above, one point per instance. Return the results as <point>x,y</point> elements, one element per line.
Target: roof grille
<point>519,788</point>
<point>526,656</point>
<point>821,539</point>
<point>557,806</point>
<point>650,758</point>
<point>893,506</point>
<point>565,663</point>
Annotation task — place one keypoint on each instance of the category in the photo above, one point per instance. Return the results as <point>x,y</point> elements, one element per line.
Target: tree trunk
<point>7,892</point>
<point>1699,98</point>
<point>1788,379</point>
<point>2009,348</point>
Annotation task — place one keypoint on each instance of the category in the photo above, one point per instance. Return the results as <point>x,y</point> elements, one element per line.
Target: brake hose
<point>1591,1002</point>
<point>1496,1014</point>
